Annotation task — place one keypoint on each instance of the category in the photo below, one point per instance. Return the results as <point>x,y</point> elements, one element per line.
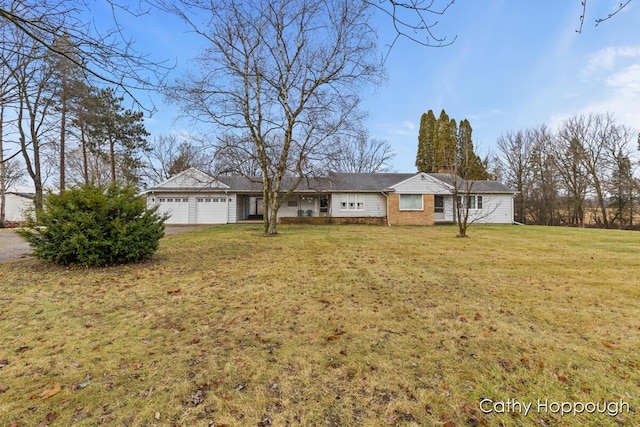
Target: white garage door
<point>176,207</point>
<point>211,210</point>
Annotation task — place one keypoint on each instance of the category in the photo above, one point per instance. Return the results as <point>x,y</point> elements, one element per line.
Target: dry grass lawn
<point>329,326</point>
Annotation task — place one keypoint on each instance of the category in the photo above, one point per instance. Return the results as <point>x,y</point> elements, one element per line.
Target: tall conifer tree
<point>425,158</point>
<point>470,165</point>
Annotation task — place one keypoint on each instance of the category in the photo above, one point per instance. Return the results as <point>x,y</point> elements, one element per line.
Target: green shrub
<point>94,226</point>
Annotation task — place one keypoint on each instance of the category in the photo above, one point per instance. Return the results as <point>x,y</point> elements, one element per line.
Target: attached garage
<point>211,209</point>
<point>192,197</point>
<point>176,206</point>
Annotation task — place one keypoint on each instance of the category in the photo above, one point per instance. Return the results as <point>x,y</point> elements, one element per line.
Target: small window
<point>214,200</point>
<point>352,202</point>
<point>163,200</point>
<point>169,200</point>
<point>223,199</point>
<point>200,200</point>
<point>185,200</point>
<point>292,202</point>
<point>411,202</point>
<point>207,200</point>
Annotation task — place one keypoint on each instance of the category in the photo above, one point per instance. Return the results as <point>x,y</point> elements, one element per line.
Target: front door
<point>438,208</point>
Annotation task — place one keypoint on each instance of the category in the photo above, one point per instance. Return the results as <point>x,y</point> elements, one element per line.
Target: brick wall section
<point>398,217</point>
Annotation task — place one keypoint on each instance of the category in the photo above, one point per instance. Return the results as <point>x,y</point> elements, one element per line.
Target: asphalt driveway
<point>14,248</point>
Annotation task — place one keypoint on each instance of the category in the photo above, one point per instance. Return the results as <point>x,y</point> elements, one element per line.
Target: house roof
<point>193,179</point>
<point>22,194</point>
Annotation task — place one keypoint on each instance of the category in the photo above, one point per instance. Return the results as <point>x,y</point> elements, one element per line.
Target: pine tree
<point>121,131</point>
<point>469,164</point>
<point>425,158</point>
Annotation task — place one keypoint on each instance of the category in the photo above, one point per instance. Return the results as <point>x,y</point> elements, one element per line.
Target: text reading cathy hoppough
<point>511,406</point>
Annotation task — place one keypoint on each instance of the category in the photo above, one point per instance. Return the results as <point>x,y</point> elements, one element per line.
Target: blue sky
<point>514,65</point>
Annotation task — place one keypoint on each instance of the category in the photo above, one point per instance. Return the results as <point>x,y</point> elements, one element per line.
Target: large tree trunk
<point>2,170</point>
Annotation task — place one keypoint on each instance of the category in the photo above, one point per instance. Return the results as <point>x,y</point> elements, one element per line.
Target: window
<point>411,202</point>
<point>474,202</point>
<point>438,204</point>
<point>162,200</point>
<point>200,200</point>
<point>215,200</point>
<point>292,202</point>
<point>207,200</point>
<point>352,202</point>
<point>169,200</point>
<point>185,200</point>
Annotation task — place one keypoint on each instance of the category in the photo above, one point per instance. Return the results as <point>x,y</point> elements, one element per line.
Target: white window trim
<point>465,198</point>
<point>356,199</point>
<point>411,209</point>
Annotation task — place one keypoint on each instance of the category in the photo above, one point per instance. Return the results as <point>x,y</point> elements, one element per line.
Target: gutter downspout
<point>226,193</point>
<point>386,196</point>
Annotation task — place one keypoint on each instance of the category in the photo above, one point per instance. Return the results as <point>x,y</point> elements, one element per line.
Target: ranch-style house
<point>194,197</point>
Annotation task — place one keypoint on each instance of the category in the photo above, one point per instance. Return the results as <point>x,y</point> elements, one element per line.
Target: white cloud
<point>607,58</point>
<point>627,79</point>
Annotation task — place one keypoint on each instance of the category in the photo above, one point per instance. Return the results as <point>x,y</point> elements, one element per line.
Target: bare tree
<point>568,154</point>
<point>285,74</point>
<point>516,148</point>
<point>542,195</point>
<point>32,110</point>
<point>105,54</point>
<point>169,155</point>
<point>359,154</point>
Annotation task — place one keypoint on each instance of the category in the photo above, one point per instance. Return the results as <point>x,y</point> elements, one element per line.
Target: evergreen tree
<point>119,134</point>
<point>446,142</point>
<point>470,165</point>
<point>444,146</point>
<point>66,86</point>
<point>425,158</point>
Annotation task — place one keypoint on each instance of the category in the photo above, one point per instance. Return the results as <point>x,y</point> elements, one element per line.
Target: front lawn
<point>330,326</point>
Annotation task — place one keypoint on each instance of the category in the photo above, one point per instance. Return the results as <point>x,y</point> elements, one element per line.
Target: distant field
<point>331,326</point>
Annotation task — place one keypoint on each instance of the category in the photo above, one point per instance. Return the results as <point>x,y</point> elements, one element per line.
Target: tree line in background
<point>279,81</point>
<point>583,173</point>
<point>55,122</point>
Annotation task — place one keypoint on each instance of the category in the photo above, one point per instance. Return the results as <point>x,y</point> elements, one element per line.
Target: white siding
<point>375,205</point>
<point>232,207</point>
<point>449,209</point>
<point>191,178</point>
<point>421,184</point>
<point>496,209</point>
<point>16,207</point>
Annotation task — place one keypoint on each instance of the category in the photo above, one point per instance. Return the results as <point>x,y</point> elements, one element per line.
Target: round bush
<point>95,226</point>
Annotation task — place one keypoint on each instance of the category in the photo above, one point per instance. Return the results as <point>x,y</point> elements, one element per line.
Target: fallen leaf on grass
<point>51,392</point>
<point>506,364</point>
<point>335,334</point>
<point>609,345</point>
<point>174,291</point>
<point>563,378</point>
<point>3,388</point>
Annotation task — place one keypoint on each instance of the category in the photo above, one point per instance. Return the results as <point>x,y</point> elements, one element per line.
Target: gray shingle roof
<point>349,182</point>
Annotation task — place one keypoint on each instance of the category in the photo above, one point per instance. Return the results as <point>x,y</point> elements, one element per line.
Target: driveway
<point>14,247</point>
